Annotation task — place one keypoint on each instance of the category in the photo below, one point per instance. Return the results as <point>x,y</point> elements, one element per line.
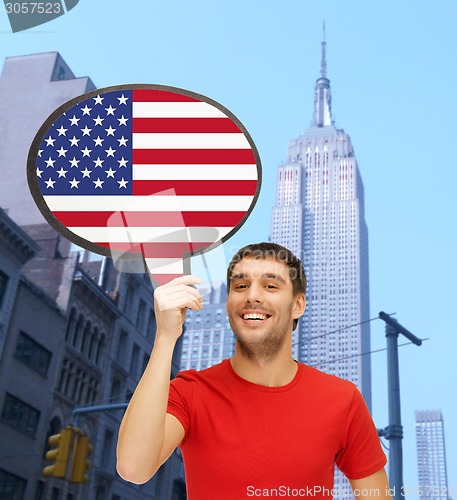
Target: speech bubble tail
<point>164,271</point>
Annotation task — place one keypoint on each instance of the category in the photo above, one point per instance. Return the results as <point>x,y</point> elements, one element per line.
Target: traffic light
<point>59,454</point>
<point>80,463</point>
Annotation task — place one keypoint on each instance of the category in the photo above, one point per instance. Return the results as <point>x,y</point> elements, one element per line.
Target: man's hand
<point>171,301</point>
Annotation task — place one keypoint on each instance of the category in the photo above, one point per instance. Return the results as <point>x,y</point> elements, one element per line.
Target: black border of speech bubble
<point>92,247</point>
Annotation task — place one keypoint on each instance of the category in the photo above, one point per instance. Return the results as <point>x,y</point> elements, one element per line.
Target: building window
<point>134,361</point>
<point>107,446</point>
<point>20,415</point>
<point>3,284</point>
<point>121,348</point>
<point>140,315</point>
<point>39,491</point>
<point>33,354</point>
<point>11,486</point>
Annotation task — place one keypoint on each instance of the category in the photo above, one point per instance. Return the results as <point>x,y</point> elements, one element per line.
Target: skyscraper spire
<point>322,98</point>
<point>323,60</point>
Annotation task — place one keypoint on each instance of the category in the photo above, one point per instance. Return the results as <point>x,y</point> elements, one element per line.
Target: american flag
<point>147,170</point>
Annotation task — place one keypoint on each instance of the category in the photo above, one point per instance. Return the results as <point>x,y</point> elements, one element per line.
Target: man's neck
<point>275,372</point>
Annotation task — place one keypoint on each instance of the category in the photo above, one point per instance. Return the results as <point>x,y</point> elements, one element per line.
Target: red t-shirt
<point>245,440</point>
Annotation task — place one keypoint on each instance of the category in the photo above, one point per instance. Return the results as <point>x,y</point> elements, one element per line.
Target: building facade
<point>431,454</point>
<point>74,332</point>
<point>319,215</point>
<point>208,338</point>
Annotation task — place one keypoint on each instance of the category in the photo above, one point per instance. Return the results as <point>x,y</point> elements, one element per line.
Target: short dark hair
<point>267,250</point>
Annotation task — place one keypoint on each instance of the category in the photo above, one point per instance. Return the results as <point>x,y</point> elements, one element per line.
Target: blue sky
<point>392,68</point>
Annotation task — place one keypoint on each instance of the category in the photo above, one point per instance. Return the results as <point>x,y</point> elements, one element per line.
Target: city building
<point>74,332</point>
<point>208,338</point>
<point>319,215</point>
<point>431,455</point>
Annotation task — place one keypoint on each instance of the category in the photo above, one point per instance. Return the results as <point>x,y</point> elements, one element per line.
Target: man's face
<point>261,306</point>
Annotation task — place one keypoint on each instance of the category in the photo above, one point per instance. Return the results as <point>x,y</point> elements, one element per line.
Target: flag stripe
<point>150,95</point>
<point>195,188</point>
<point>175,110</point>
<point>184,125</point>
<point>159,219</point>
<point>149,203</point>
<point>157,250</point>
<point>144,234</point>
<point>192,156</point>
<point>189,141</point>
<point>197,172</point>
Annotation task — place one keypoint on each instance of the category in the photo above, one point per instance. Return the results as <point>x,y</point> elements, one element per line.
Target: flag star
<point>62,151</point>
<point>98,120</point>
<point>98,162</point>
<point>50,162</point>
<point>74,183</point>
<point>98,99</point>
<point>122,183</point>
<point>74,120</point>
<point>50,141</point>
<point>50,183</point>
<point>38,172</point>
<point>62,172</point>
<point>123,162</point>
<point>86,130</point>
<point>86,172</point>
<point>98,141</point>
<point>86,151</point>
<point>110,110</point>
<point>86,110</point>
<point>110,172</point>
<point>98,183</point>
<point>122,99</point>
<point>110,130</point>
<point>74,162</point>
<point>74,141</point>
<point>39,152</point>
<point>122,141</point>
<point>110,152</point>
<point>62,130</point>
<point>122,120</point>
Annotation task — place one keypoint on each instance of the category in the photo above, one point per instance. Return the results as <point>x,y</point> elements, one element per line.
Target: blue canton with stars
<point>88,150</point>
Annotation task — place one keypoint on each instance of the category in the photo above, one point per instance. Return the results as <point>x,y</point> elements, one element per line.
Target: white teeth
<point>254,316</point>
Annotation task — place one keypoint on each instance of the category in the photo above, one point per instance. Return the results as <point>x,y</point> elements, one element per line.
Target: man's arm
<point>374,486</point>
<point>148,434</point>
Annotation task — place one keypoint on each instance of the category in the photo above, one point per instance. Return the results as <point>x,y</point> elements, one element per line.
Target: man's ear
<point>300,306</point>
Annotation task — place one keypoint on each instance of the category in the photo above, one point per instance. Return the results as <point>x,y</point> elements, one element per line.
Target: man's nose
<point>254,294</point>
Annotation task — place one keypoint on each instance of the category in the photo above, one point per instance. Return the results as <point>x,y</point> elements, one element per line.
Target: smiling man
<point>259,424</point>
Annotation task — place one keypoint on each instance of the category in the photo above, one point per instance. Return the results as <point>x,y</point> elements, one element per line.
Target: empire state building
<point>319,215</point>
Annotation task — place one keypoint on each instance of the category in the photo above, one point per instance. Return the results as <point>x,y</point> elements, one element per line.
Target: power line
<point>360,354</point>
<point>339,330</point>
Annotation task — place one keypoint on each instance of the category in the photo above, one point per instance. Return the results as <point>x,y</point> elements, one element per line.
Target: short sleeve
<point>180,402</point>
<point>361,454</point>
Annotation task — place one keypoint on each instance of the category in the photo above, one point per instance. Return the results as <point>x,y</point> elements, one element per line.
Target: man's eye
<point>237,287</point>
<point>271,286</point>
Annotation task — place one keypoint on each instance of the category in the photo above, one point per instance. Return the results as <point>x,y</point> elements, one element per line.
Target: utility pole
<point>394,431</point>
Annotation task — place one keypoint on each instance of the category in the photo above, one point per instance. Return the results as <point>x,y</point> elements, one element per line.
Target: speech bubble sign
<point>147,171</point>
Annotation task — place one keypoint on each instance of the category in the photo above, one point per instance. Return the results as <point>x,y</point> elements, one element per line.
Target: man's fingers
<point>188,279</point>
<point>178,299</point>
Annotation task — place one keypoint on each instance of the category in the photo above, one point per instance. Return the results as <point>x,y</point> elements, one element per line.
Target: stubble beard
<point>264,348</point>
